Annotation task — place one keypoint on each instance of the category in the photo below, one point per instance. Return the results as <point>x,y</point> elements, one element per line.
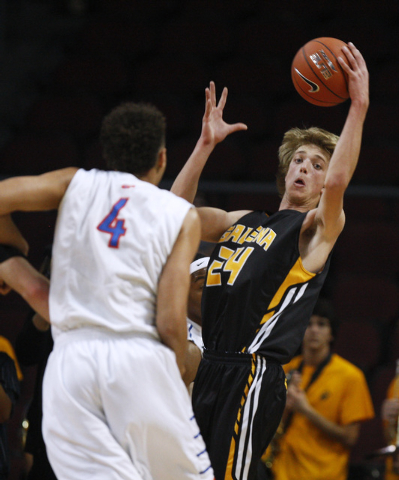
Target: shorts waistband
<point>235,357</point>
<point>87,333</point>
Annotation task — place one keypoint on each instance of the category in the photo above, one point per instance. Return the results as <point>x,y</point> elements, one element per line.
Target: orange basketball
<point>316,73</point>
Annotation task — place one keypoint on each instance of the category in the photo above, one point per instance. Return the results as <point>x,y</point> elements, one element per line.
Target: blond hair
<point>297,137</point>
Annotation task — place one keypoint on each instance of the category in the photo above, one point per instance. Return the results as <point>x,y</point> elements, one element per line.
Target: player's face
<point>195,295</point>
<point>306,174</point>
<point>318,333</point>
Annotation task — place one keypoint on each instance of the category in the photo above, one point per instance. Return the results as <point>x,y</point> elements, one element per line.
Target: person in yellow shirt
<point>10,376</point>
<point>6,347</point>
<point>327,399</point>
<point>389,415</point>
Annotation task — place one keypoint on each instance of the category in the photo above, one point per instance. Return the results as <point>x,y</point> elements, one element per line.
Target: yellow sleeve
<point>357,404</point>
<point>5,346</point>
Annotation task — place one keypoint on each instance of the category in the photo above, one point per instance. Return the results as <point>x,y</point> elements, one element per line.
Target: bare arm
<point>17,273</point>
<point>173,289</point>
<point>33,193</point>
<point>323,225</point>
<point>345,434</point>
<point>214,222</point>
<point>345,157</point>
<point>214,130</point>
<point>191,364</point>
<point>10,235</point>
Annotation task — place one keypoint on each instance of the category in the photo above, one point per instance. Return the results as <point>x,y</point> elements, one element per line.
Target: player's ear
<point>161,160</point>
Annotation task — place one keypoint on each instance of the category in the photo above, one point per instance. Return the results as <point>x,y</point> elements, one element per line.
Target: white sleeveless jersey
<point>113,236</point>
<point>194,334</point>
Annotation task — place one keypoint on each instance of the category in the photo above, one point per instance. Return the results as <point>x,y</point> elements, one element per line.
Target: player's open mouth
<point>299,182</point>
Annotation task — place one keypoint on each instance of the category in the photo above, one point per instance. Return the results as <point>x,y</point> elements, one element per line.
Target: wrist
<point>206,145</point>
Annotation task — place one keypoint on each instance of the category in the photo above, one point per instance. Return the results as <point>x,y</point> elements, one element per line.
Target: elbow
<point>36,294</point>
<point>36,291</point>
<point>338,183</point>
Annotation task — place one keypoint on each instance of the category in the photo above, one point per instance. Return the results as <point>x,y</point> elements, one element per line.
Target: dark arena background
<point>66,63</point>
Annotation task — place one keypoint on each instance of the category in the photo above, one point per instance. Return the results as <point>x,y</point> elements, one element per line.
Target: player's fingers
<point>208,108</point>
<point>223,98</point>
<point>207,96</point>
<point>213,93</point>
<point>349,55</point>
<point>344,64</point>
<point>357,55</point>
<point>236,127</point>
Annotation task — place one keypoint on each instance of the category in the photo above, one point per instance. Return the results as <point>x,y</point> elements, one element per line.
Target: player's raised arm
<point>34,193</point>
<point>345,157</point>
<point>214,221</point>
<point>214,131</point>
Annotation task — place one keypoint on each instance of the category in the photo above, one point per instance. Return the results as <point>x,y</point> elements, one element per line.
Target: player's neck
<point>314,357</point>
<point>287,204</point>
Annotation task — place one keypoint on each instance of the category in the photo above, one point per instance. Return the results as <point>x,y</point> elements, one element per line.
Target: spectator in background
<point>389,415</point>
<point>327,399</point>
<point>9,393</point>
<point>33,347</point>
<point>5,346</point>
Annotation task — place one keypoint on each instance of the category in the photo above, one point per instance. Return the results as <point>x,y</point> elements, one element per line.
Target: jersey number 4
<point>114,225</point>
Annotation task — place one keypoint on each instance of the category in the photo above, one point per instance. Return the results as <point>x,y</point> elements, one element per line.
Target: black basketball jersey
<point>258,296</point>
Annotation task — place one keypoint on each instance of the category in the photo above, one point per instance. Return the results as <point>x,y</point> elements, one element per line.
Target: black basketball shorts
<point>238,401</point>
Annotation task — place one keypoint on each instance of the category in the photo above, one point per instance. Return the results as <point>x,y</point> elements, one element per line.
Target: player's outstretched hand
<point>214,128</point>
<point>358,75</point>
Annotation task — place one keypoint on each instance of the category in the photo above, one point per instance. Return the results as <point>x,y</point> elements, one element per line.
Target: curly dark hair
<point>131,136</point>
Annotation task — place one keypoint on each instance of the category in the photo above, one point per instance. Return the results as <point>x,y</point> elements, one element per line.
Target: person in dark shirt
<point>9,394</point>
<point>33,346</point>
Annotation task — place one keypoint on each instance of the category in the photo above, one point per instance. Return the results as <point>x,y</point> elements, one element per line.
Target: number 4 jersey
<point>258,296</point>
<point>113,236</point>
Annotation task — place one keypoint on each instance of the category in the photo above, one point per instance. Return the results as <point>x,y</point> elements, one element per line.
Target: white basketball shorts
<point>115,408</point>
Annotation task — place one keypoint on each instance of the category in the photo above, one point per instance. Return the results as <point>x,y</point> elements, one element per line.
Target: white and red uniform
<point>115,406</point>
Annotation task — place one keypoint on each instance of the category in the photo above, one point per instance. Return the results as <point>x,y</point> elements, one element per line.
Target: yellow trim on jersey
<point>297,274</point>
<point>230,460</point>
<point>267,317</point>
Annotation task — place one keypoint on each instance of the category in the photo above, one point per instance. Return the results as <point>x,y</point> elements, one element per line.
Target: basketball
<point>316,73</point>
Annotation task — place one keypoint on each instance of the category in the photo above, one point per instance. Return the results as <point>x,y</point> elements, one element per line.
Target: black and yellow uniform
<point>256,306</point>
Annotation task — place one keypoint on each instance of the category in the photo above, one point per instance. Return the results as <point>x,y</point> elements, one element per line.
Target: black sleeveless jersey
<point>258,296</point>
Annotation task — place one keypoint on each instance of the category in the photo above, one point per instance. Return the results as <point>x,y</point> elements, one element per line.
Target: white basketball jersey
<point>113,236</point>
<point>194,334</point>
